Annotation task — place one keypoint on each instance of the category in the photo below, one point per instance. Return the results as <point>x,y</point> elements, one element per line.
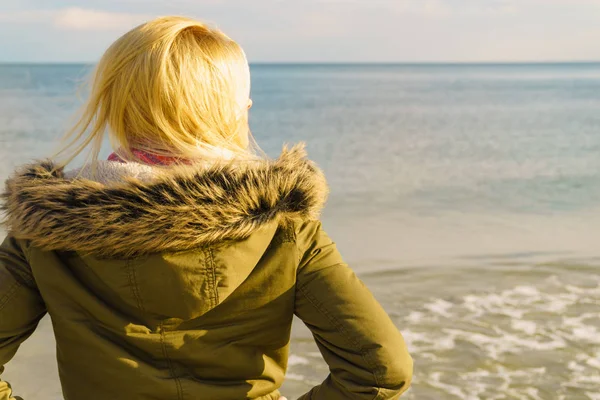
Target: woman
<point>173,269</point>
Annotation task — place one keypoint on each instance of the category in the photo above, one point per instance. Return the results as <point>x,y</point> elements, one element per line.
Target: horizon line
<point>335,63</point>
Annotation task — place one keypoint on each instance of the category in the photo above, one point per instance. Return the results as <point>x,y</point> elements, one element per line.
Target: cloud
<point>77,19</point>
<point>94,20</point>
<point>320,30</point>
<point>519,4</point>
<point>27,17</point>
<point>429,8</point>
<point>564,2</point>
<point>451,8</point>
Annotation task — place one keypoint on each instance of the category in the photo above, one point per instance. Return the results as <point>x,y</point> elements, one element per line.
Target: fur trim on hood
<point>181,208</point>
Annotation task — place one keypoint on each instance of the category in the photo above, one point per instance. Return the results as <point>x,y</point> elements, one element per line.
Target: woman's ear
<point>250,104</point>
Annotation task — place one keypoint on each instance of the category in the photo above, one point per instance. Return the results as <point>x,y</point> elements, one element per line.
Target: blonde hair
<point>172,86</point>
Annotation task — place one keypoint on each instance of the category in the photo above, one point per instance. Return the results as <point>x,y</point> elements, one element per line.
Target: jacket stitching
<point>28,276</point>
<point>28,279</point>
<point>289,235</point>
<point>12,291</point>
<point>352,340</point>
<point>284,234</point>
<point>134,284</point>
<point>170,363</point>
<point>212,278</point>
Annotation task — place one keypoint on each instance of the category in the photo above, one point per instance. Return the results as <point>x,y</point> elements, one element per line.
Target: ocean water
<point>467,197</point>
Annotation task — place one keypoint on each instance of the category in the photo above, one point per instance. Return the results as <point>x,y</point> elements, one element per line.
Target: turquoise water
<point>466,196</point>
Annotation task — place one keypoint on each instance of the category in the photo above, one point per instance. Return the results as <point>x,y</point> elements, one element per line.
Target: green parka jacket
<point>182,282</point>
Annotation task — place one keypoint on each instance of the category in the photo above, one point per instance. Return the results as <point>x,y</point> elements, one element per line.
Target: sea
<point>465,196</point>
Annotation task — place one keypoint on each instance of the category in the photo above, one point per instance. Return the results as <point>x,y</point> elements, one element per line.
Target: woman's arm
<point>367,356</point>
<point>21,306</point>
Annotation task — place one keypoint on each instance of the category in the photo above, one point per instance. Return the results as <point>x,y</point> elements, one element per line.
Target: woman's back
<point>181,281</point>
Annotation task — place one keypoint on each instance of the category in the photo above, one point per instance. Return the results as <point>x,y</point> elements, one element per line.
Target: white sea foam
<point>575,367</point>
<point>526,291</point>
<point>587,333</point>
<point>594,362</point>
<point>414,317</point>
<point>295,377</point>
<point>533,394</point>
<point>528,327</point>
<point>297,360</point>
<point>440,307</point>
<point>450,389</point>
<point>541,320</point>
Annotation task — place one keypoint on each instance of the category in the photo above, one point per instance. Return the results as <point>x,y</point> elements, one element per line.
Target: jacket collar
<point>133,209</point>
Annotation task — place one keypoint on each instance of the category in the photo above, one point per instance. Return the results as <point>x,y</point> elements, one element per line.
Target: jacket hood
<point>159,209</point>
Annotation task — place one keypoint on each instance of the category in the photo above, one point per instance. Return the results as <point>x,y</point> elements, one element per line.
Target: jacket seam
<point>28,279</point>
<point>289,234</point>
<point>353,341</point>
<point>178,386</point>
<point>25,250</point>
<point>284,234</point>
<point>12,291</point>
<point>134,284</point>
<point>212,278</point>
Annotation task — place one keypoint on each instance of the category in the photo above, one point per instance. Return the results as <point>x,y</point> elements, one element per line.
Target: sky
<point>319,30</point>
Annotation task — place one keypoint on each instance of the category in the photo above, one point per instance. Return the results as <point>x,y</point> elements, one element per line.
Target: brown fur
<point>184,208</point>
